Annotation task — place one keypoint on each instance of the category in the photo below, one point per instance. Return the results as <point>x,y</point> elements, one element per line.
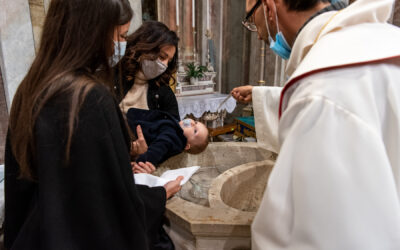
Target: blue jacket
<point>163,134</point>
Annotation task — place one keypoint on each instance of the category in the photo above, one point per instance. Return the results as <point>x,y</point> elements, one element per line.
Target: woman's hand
<point>143,167</point>
<point>173,187</point>
<point>243,94</point>
<point>139,146</point>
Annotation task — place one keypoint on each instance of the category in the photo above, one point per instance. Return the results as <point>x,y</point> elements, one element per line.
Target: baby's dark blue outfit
<point>163,134</point>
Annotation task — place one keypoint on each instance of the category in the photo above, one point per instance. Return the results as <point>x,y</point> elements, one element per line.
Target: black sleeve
<point>154,216</point>
<point>162,98</point>
<point>156,151</point>
<point>121,84</point>
<point>168,102</point>
<point>91,202</point>
<point>19,195</point>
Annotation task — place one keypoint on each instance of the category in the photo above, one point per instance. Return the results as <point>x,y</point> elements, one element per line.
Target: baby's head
<point>196,134</point>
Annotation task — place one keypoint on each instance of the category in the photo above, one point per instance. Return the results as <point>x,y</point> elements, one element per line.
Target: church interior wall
<point>3,119</point>
<point>16,55</point>
<point>37,13</point>
<point>237,55</point>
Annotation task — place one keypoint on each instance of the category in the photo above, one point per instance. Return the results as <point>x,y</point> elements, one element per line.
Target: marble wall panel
<point>16,44</point>
<point>46,5</point>
<point>3,120</point>
<point>14,22</point>
<point>135,4</point>
<point>234,46</point>
<point>136,21</point>
<point>37,11</point>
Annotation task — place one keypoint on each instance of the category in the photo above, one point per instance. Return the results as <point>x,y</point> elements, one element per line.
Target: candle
<point>208,14</point>
<point>193,14</point>
<point>177,12</point>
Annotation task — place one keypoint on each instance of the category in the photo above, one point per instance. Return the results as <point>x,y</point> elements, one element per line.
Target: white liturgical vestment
<point>336,182</point>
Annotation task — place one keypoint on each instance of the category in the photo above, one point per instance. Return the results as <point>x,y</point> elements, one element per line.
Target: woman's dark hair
<point>302,5</point>
<point>146,43</point>
<point>76,44</point>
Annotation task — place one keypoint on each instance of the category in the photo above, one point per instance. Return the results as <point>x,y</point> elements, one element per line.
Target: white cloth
<point>137,95</point>
<point>167,176</point>
<point>266,107</point>
<point>336,182</point>
<point>199,104</point>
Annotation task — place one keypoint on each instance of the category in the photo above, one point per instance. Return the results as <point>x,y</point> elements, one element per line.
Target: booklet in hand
<point>170,175</point>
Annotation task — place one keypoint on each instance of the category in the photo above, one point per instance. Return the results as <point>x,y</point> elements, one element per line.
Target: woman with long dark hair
<point>68,180</point>
<point>148,67</point>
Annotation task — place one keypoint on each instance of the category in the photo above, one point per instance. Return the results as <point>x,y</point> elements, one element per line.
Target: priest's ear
<point>187,147</point>
<point>270,6</point>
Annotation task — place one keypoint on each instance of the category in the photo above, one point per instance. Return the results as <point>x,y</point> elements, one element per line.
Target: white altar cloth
<point>199,104</point>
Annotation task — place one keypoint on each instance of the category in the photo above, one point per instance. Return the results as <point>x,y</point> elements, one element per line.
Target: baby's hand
<point>139,146</point>
<point>141,167</point>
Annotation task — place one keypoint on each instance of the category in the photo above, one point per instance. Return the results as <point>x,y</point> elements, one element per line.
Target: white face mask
<point>119,52</point>
<point>152,69</point>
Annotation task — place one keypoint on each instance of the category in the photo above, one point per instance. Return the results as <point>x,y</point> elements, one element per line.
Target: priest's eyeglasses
<point>248,21</point>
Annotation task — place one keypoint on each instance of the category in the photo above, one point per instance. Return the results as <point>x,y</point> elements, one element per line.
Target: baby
<point>166,136</point>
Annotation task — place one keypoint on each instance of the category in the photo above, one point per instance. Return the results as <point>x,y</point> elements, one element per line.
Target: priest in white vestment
<point>335,126</point>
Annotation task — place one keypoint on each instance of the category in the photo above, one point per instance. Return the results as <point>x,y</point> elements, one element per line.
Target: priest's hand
<point>173,187</point>
<point>139,146</point>
<point>243,94</point>
<point>143,167</point>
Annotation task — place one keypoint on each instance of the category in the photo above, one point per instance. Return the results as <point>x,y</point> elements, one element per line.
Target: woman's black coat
<point>90,203</point>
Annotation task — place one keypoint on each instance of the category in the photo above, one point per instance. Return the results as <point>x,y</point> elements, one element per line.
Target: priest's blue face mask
<point>279,46</point>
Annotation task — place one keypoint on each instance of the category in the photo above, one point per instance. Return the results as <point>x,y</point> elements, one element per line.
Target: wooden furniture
<point>245,127</point>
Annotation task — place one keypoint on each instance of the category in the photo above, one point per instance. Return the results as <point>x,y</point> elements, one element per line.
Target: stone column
<point>137,15</point>
<point>171,22</point>
<point>135,4</point>
<point>37,10</point>
<point>46,5</point>
<point>3,121</point>
<point>16,44</point>
<point>187,31</point>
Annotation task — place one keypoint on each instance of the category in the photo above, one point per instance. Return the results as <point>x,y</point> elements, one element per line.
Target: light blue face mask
<point>119,52</point>
<point>279,46</point>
